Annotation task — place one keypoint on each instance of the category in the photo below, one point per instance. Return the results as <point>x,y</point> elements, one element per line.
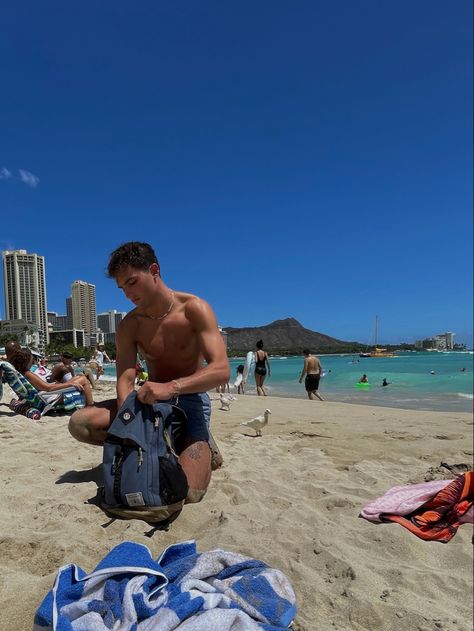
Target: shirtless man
<point>175,333</point>
<point>313,369</point>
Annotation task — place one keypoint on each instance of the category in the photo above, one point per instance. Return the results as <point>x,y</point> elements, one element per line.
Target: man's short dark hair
<point>66,355</point>
<point>306,352</point>
<point>134,254</point>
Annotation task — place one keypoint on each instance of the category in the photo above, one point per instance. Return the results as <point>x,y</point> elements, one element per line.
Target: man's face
<point>137,285</point>
<point>66,360</point>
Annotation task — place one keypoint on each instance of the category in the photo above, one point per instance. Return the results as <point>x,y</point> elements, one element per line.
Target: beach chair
<point>66,399</point>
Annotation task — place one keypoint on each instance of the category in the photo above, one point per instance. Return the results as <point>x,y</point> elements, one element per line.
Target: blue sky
<point>307,159</point>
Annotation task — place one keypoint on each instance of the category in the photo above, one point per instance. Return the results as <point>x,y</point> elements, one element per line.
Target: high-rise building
<point>25,290</point>
<point>108,323</point>
<point>83,307</point>
<point>59,322</point>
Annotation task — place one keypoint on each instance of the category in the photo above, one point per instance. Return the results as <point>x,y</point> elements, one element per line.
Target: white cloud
<point>29,178</point>
<point>5,174</point>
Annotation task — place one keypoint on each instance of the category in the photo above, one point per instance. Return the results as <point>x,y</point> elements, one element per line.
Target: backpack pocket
<point>173,481</point>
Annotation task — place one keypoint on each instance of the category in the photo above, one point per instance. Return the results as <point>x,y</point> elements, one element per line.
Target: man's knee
<point>195,496</point>
<point>78,425</point>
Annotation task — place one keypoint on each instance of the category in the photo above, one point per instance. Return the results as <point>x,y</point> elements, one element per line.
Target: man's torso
<point>313,366</point>
<point>170,346</point>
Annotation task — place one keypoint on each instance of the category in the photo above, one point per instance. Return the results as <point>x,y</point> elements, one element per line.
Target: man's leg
<point>195,460</point>
<point>90,425</point>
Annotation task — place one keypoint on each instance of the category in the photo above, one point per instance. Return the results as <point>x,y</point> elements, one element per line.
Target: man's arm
<point>303,372</point>
<point>126,360</point>
<point>212,348</point>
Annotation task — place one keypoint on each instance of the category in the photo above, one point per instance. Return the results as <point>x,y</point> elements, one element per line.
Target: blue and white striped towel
<point>182,589</point>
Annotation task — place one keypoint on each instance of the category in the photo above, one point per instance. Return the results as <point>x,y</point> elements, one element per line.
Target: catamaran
<point>377,352</point>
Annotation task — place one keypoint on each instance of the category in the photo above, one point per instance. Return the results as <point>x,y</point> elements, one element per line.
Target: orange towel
<point>440,517</point>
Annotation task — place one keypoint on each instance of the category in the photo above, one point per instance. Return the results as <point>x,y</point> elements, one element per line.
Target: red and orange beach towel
<point>433,511</point>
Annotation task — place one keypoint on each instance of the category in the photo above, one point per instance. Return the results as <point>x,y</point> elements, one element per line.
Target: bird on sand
<point>225,402</point>
<point>258,423</point>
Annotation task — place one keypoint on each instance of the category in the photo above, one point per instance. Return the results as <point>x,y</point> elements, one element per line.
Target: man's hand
<point>151,392</point>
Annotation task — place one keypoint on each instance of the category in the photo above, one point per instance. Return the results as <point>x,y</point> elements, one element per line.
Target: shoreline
<point>464,401</point>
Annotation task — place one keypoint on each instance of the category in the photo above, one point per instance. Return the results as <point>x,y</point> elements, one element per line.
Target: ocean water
<point>412,386</point>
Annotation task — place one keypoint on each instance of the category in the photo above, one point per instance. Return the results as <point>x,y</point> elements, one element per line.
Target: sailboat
<point>377,352</point>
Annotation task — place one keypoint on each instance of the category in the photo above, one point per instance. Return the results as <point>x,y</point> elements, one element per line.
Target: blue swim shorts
<point>197,408</point>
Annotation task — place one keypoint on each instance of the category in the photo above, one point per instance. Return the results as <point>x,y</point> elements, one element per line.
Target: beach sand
<point>291,498</point>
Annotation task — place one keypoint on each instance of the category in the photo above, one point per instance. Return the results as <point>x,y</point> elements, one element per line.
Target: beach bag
<point>142,476</point>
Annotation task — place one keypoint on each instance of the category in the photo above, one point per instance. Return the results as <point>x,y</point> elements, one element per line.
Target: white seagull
<point>258,423</point>
<point>225,403</point>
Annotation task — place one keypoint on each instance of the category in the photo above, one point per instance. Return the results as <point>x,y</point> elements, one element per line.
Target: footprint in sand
<point>234,493</point>
<point>449,436</point>
<point>401,435</point>
<point>34,557</point>
<point>338,502</point>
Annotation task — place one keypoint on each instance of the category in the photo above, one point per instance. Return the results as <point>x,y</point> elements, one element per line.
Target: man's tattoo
<point>194,451</point>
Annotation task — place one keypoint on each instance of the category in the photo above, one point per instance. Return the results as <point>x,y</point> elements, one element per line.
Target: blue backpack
<point>142,476</point>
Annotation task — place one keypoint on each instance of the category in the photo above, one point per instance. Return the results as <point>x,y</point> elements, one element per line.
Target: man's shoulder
<point>129,324</point>
<point>129,319</point>
<point>192,304</point>
<point>197,310</point>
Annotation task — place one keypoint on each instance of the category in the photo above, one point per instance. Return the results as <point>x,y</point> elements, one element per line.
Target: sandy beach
<point>291,498</point>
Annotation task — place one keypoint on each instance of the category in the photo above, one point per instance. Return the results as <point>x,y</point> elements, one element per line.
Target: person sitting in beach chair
<point>22,360</point>
<point>64,371</point>
<point>67,399</point>
<point>42,370</point>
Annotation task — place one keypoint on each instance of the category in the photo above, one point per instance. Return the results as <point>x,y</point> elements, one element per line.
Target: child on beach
<point>239,380</point>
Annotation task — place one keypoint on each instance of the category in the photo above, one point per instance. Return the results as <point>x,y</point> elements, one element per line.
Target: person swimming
<point>385,382</point>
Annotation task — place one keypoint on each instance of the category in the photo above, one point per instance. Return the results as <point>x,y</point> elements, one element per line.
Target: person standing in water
<point>312,369</point>
<point>262,367</point>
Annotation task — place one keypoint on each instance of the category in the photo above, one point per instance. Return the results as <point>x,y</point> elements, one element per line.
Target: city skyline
<point>79,315</point>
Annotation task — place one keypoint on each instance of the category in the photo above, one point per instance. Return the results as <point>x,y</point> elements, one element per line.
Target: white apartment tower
<point>24,281</point>
<point>84,315</point>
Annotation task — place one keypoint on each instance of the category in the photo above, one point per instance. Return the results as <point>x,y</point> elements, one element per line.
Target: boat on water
<point>377,352</point>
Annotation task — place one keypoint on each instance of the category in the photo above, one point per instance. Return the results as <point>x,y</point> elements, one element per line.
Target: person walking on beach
<point>262,366</point>
<point>312,369</point>
<point>178,336</point>
<point>99,357</point>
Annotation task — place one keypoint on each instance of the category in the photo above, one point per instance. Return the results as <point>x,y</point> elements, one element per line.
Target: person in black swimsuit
<point>262,366</point>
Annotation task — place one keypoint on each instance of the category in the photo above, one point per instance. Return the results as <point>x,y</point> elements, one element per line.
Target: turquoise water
<point>411,386</point>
